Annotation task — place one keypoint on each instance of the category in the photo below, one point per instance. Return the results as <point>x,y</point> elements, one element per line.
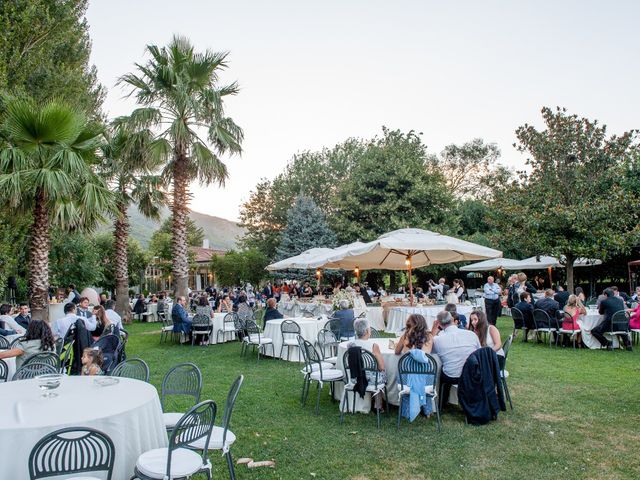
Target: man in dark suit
<point>271,312</point>
<point>526,308</point>
<point>561,296</point>
<point>267,291</point>
<point>23,318</point>
<point>549,305</point>
<point>608,307</point>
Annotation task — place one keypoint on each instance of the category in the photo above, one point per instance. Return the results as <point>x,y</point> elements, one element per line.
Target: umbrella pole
<point>550,279</point>
<point>408,262</point>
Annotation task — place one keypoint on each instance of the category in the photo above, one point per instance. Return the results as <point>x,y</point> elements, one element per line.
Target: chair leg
<point>282,348</point>
<point>438,421</point>
<point>304,387</point>
<point>506,392</point>
<point>344,402</point>
<point>232,471</point>
<point>318,399</point>
<point>400,398</point>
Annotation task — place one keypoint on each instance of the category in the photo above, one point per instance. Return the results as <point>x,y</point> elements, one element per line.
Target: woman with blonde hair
<point>575,309</point>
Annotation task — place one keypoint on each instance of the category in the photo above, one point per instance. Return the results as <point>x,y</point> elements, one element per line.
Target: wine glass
<point>49,382</point>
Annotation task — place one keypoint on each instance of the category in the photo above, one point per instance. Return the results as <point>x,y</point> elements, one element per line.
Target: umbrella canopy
<point>391,250</point>
<point>305,260</point>
<point>490,265</point>
<point>543,261</point>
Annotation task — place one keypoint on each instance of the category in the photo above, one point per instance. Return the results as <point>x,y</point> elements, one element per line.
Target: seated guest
<point>634,320</point>
<point>362,291</point>
<point>636,295</point>
<point>38,339</point>
<point>294,290</point>
<point>580,294</point>
<point>417,340</point>
<point>83,308</point>
<point>114,317</point>
<point>608,307</point>
<point>10,324</point>
<point>561,297</point>
<point>526,308</point>
<point>139,307</point>
<point>453,345</point>
<point>181,320</point>
<point>103,299</point>
<point>272,313</point>
<point>307,291</point>
<point>488,335</point>
<point>103,323</point>
<point>461,320</point>
<point>91,361</point>
<point>61,325</point>
<point>245,312</point>
<point>23,318</point>
<point>346,317</point>
<point>362,331</point>
<point>549,305</point>
<point>204,307</point>
<point>225,305</point>
<point>574,308</point>
<point>420,293</point>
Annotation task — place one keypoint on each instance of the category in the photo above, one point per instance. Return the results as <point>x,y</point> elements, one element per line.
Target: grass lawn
<point>577,415</point>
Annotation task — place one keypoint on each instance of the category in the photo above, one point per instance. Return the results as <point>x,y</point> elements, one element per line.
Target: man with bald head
<point>491,297</point>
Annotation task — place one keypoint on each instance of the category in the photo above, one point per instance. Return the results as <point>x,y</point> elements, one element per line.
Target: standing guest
<point>83,308</point>
<point>580,294</point>
<point>272,313</point>
<point>608,307</point>
<point>458,318</point>
<point>113,316</point>
<point>524,285</point>
<point>276,292</point>
<point>491,297</point>
<point>91,361</point>
<point>575,309</point>
<point>526,308</point>
<point>453,345</point>
<point>267,291</point>
<point>10,323</point>
<point>226,305</point>
<point>458,289</point>
<point>251,295</point>
<point>72,294</point>
<point>538,282</point>
<point>488,335</point>
<point>549,305</point>
<point>346,317</point>
<point>512,290</point>
<point>23,318</point>
<point>561,296</point>
<point>61,326</point>
<point>181,320</point>
<point>38,339</point>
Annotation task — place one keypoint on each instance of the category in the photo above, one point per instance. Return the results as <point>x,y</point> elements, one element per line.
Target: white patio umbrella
<point>408,248</point>
<point>491,265</point>
<point>303,261</point>
<point>544,261</point>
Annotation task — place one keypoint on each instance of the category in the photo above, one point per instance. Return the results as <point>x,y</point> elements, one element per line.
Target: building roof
<point>204,255</point>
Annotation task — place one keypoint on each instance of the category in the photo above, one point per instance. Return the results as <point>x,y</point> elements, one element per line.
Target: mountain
<point>222,233</point>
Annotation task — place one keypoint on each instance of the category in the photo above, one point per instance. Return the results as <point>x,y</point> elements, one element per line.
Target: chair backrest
<point>517,316</point>
<point>312,356</point>
<point>541,319</point>
<point>325,337</point>
<point>72,450</point>
<point>238,323</point>
<point>15,341</point>
<point>569,319</point>
<point>50,358</point>
<point>506,346</point>
<point>303,349</point>
<point>289,328</point>
<point>200,321</point>
<point>228,406</point>
<point>4,343</point>
<point>4,371</point>
<point>334,325</point>
<point>245,312</point>
<point>369,363</point>
<point>110,347</point>
<point>184,379</point>
<point>375,333</point>
<point>252,329</point>
<point>194,425</point>
<point>407,365</point>
<point>32,370</point>
<point>135,368</point>
<point>620,321</point>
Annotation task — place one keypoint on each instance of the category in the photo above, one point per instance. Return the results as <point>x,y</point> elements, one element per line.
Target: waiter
<point>491,296</point>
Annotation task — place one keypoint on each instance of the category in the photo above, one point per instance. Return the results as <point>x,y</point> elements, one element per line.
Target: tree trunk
<point>570,259</point>
<point>121,236</point>
<point>39,260</point>
<point>180,210</point>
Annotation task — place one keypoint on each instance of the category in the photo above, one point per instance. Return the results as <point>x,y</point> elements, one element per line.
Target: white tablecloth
<point>218,323</point>
<point>398,315</point>
<point>588,322</point>
<point>129,413</point>
<point>309,328</point>
<point>56,311</point>
<point>375,317</point>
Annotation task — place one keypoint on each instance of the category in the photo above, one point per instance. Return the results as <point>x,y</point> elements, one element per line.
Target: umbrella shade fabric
<point>305,260</point>
<point>543,261</point>
<point>491,265</point>
<point>390,251</point>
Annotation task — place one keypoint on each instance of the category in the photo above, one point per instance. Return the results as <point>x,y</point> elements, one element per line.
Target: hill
<point>222,233</point>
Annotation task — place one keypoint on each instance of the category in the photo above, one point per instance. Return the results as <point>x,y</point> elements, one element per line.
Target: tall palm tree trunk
<point>39,260</point>
<point>180,209</point>
<point>121,236</point>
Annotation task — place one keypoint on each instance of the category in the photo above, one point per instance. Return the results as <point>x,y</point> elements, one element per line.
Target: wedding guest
<point>575,309</point>
<point>83,308</point>
<point>38,339</point>
<point>103,323</point>
<point>62,325</point>
<point>307,291</point>
<point>562,296</point>
<point>181,320</point>
<point>91,361</point>
<point>362,331</point>
<point>272,313</point>
<point>23,318</point>
<point>526,308</point>
<point>491,297</point>
<point>608,307</point>
<point>550,306</point>
<point>139,307</point>
<point>634,320</point>
<point>461,320</point>
<point>488,335</point>
<point>458,289</point>
<point>204,307</point>
<point>10,323</point>
<point>226,305</point>
<point>580,294</point>
<point>346,317</point>
<point>114,317</point>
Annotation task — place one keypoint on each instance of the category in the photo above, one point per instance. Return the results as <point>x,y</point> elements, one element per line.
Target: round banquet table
<point>398,315</point>
<point>375,317</point>
<point>588,322</point>
<point>218,324</point>
<point>128,412</point>
<point>390,365</point>
<point>309,328</point>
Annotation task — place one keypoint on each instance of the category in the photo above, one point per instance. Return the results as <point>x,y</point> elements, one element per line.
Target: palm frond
<point>210,168</point>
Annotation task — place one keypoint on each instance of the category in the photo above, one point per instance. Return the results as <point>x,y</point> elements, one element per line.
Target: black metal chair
<point>167,328</point>
<point>407,365</point>
<point>545,325</point>
<point>518,321</point>
<point>72,450</point>
<point>32,370</point>
<point>135,368</point>
<point>110,347</point>
<point>228,326</point>
<point>50,358</point>
<point>334,325</point>
<point>290,331</point>
<point>369,364</point>
<point>16,341</point>
<point>221,437</point>
<point>240,327</point>
<point>183,380</point>
<point>620,325</point>
<point>573,333</point>
<point>255,339</point>
<point>375,333</point>
<point>318,372</point>
<point>201,325</point>
<point>4,371</point>
<point>194,426</point>
<point>504,374</point>
<point>4,343</point>
<point>326,339</point>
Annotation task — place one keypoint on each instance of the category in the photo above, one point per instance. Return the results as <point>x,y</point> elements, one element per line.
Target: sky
<point>314,73</point>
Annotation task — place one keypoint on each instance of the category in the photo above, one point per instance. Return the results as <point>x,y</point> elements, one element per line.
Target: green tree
<point>137,261</point>
<point>74,258</point>
<point>47,169</point>
<point>129,163</point>
<point>181,96</point>
<point>44,52</point>
<point>239,268</point>
<point>195,233</point>
<point>573,203</point>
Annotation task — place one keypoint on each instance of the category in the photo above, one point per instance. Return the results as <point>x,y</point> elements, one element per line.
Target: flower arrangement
<point>342,295</point>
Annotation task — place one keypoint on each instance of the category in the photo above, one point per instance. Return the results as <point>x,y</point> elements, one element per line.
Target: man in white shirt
<point>112,315</point>
<point>453,345</point>
<point>61,326</point>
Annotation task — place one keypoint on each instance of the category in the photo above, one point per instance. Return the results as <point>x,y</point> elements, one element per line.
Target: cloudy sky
<point>315,73</point>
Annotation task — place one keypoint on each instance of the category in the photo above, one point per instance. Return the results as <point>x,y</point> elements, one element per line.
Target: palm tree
<point>129,161</point>
<point>47,170</point>
<point>181,99</point>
